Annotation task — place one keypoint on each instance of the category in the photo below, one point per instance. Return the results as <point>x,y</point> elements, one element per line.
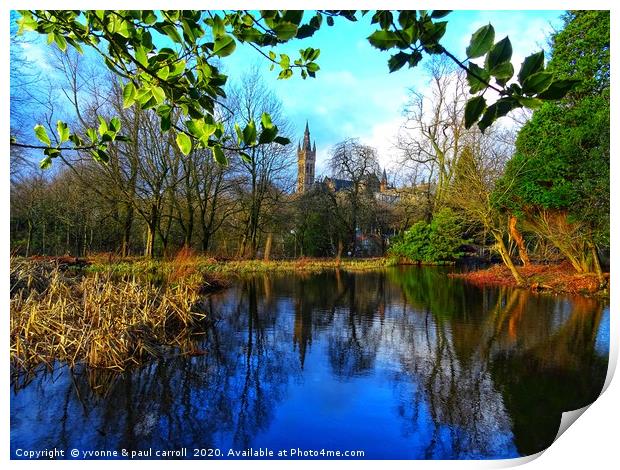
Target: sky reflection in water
<point>405,364</point>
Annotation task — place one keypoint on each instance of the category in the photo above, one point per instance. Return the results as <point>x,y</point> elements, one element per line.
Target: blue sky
<point>354,95</point>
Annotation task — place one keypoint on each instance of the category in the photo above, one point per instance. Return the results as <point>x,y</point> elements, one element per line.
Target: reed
<point>100,319</point>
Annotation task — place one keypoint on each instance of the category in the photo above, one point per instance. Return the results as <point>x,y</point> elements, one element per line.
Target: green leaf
<point>92,134</point>
<point>282,140</point>
<point>432,33</point>
<point>201,130</point>
<point>100,156</point>
<point>63,131</point>
<point>383,40</point>
<point>532,103</point>
<point>41,134</point>
<point>558,89</point>
<point>184,143</point>
<point>60,42</point>
<point>440,13</point>
<point>312,67</point>
<point>537,82</point>
<point>217,27</point>
<point>481,41</point>
<point>475,84</point>
<point>164,112</point>
<point>129,95</point>
<point>158,94</point>
<point>500,53</point>
<point>103,126</point>
<point>498,109</point>
<point>503,71</point>
<point>26,22</point>
<point>532,64</point>
<point>267,135</point>
<point>249,133</point>
<point>406,18</point>
<point>415,58</point>
<point>245,157</point>
<point>285,30</point>
<point>265,121</point>
<point>163,73</point>
<point>45,163</point>
<point>239,134</point>
<point>473,110</point>
<point>140,55</point>
<point>224,46</point>
<point>219,156</point>
<point>397,61</point>
<point>115,124</point>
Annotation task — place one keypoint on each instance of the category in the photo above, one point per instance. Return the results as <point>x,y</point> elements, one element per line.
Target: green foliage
<point>581,51</point>
<point>432,243</point>
<point>562,154</point>
<point>187,77</point>
<point>481,42</point>
<point>184,143</point>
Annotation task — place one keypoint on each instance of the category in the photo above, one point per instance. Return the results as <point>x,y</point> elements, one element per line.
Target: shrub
<point>431,243</point>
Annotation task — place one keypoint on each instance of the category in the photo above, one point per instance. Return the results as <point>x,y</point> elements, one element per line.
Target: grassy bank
<point>112,314</point>
<point>559,278</point>
<point>100,320</point>
<point>212,266</point>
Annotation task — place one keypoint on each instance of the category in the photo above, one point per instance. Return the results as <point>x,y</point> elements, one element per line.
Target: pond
<point>405,363</point>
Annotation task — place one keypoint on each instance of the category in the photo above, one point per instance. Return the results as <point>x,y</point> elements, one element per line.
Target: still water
<point>406,364</point>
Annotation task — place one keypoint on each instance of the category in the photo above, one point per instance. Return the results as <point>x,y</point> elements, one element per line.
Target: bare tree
<point>431,137</point>
<point>358,165</point>
<point>266,174</point>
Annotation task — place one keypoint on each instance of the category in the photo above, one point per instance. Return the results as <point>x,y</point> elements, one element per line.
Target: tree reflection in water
<point>470,373</point>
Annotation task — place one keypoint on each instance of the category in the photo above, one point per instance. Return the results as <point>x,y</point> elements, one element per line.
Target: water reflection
<point>403,364</point>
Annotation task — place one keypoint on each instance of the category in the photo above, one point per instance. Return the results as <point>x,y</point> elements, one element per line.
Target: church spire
<point>306,145</point>
<point>384,182</point>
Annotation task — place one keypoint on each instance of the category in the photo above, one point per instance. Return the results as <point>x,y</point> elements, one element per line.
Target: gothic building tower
<point>306,158</point>
<point>383,187</point>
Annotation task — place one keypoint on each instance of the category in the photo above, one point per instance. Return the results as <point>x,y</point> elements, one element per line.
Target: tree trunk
<point>127,232</point>
<point>516,236</point>
<point>29,240</point>
<point>268,246</point>
<point>150,239</point>
<point>503,251</point>
<point>340,248</point>
<point>597,266</point>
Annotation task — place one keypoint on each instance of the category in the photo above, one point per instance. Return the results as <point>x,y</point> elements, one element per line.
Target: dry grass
<point>99,320</point>
<point>555,277</point>
<point>212,266</point>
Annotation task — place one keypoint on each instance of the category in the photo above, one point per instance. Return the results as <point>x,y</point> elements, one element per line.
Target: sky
<point>354,95</point>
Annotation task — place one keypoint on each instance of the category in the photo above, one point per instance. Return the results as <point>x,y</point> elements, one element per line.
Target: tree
<point>263,171</point>
<point>476,172</point>
<point>359,165</point>
<point>186,76</point>
<point>558,180</point>
<point>434,128</point>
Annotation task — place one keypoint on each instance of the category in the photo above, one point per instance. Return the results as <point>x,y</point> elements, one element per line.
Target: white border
<point>591,443</point>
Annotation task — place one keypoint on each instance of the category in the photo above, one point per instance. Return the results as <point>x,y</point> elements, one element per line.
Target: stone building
<point>306,160</point>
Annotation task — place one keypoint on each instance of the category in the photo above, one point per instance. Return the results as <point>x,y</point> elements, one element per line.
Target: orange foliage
<point>556,277</point>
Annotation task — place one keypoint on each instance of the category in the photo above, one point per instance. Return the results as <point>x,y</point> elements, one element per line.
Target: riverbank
<point>61,313</point>
<point>114,314</point>
<point>557,278</point>
<point>212,266</point>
